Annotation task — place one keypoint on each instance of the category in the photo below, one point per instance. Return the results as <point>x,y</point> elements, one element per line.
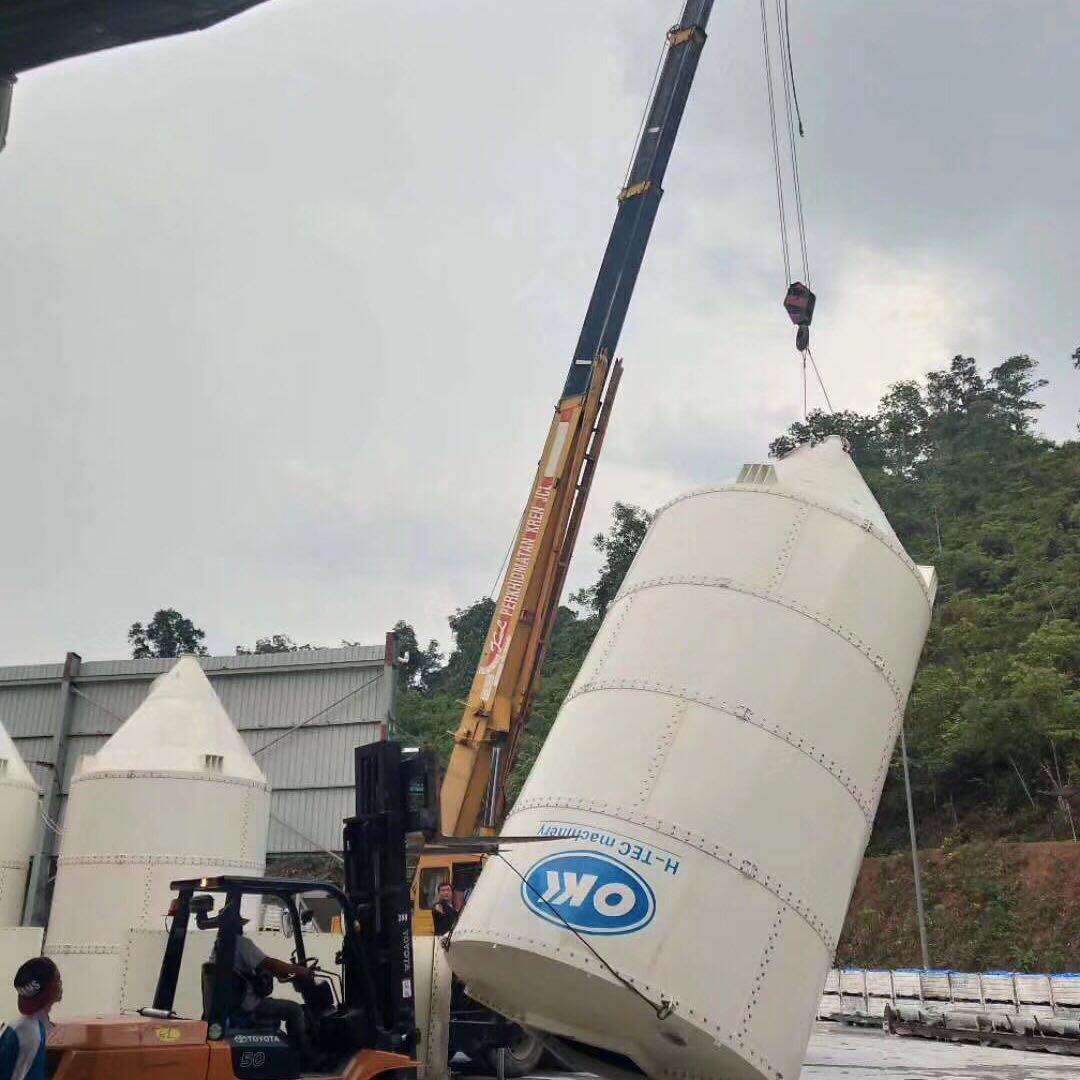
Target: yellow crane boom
<point>486,741</point>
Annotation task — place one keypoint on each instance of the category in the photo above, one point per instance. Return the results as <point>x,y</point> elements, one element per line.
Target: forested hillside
<point>994,717</point>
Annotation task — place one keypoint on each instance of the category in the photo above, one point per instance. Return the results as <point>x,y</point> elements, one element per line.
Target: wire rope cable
<point>775,144</point>
<point>791,69</point>
<point>663,1010</point>
<point>800,223</point>
<point>314,716</point>
<point>821,382</point>
<point>645,113</point>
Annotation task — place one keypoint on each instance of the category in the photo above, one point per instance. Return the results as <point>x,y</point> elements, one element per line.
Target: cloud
<point>289,301</point>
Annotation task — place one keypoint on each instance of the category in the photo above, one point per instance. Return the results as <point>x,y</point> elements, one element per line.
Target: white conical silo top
<point>824,473</point>
<point>13,769</point>
<point>180,727</point>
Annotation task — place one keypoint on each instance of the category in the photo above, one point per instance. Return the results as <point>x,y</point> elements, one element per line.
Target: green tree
<point>469,626</point>
<point>862,434</point>
<point>618,545</point>
<point>275,643</point>
<point>168,633</point>
<point>970,488</point>
<point>416,666</point>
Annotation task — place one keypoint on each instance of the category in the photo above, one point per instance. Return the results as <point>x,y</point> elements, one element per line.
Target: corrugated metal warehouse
<point>301,714</point>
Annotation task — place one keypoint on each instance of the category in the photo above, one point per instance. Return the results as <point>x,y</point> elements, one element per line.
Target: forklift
<point>362,1024</point>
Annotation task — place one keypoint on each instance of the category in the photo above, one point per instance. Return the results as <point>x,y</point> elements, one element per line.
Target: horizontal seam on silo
<point>82,950</point>
<point>695,840</point>
<point>746,715</point>
<point>156,860</point>
<point>704,581</point>
<point>29,785</point>
<point>852,519</point>
<point>144,774</point>
<point>9,864</point>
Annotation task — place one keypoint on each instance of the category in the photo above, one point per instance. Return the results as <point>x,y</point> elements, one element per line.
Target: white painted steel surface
<point>432,979</point>
<point>174,793</point>
<point>18,829</point>
<point>713,776</point>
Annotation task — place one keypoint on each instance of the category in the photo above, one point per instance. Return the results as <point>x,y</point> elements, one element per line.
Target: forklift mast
<point>396,796</point>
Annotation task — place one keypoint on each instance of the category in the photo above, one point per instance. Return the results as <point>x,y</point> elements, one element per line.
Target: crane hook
<point>799,304</point>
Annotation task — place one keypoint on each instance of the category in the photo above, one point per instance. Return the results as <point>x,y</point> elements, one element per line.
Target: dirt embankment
<point>988,905</point>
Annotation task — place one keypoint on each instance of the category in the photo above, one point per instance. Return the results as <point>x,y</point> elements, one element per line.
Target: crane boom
<point>508,673</point>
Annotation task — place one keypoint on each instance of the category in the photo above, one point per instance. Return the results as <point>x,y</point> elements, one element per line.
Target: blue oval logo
<point>590,892</point>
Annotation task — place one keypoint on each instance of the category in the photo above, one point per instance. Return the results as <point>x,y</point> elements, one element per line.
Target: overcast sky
<point>286,304</point>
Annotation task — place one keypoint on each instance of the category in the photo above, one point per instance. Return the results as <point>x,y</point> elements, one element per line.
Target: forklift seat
<point>239,1018</point>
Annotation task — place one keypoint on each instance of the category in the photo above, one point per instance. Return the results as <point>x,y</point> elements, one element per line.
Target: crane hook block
<point>799,304</point>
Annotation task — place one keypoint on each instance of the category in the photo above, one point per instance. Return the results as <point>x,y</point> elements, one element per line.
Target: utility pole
<point>920,913</point>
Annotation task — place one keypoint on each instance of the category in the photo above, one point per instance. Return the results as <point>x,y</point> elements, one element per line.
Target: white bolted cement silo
<point>19,829</point>
<point>174,793</point>
<point>712,779</point>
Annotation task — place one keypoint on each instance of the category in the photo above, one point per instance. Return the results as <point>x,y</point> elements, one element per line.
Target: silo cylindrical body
<point>175,793</point>
<point>710,781</point>
<point>19,829</point>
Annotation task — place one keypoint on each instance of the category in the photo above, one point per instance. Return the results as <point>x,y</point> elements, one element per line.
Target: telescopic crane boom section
<point>506,678</point>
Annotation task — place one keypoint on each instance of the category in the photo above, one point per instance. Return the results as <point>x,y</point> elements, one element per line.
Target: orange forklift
<point>362,1025</point>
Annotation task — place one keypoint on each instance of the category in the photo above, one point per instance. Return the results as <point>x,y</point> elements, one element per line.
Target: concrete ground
<point>837,1052</point>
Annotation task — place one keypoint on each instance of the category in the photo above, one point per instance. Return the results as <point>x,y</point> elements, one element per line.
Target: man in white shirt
<point>249,963</point>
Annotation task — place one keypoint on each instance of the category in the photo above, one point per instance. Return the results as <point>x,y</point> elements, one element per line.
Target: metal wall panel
<point>315,757</point>
<point>100,708</point>
<point>346,694</point>
<point>297,815</point>
<point>27,710</point>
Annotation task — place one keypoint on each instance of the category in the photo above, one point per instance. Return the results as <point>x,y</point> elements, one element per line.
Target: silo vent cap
<point>757,474</point>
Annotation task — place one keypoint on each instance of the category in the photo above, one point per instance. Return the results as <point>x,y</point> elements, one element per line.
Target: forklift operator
<point>257,971</point>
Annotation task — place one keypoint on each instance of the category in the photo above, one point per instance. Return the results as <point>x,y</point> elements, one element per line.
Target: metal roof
<point>301,714</point>
<point>33,32</point>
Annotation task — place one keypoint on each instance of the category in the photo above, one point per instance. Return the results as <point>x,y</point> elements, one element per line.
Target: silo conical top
<point>181,726</point>
<point>13,770</point>
<point>824,473</point>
